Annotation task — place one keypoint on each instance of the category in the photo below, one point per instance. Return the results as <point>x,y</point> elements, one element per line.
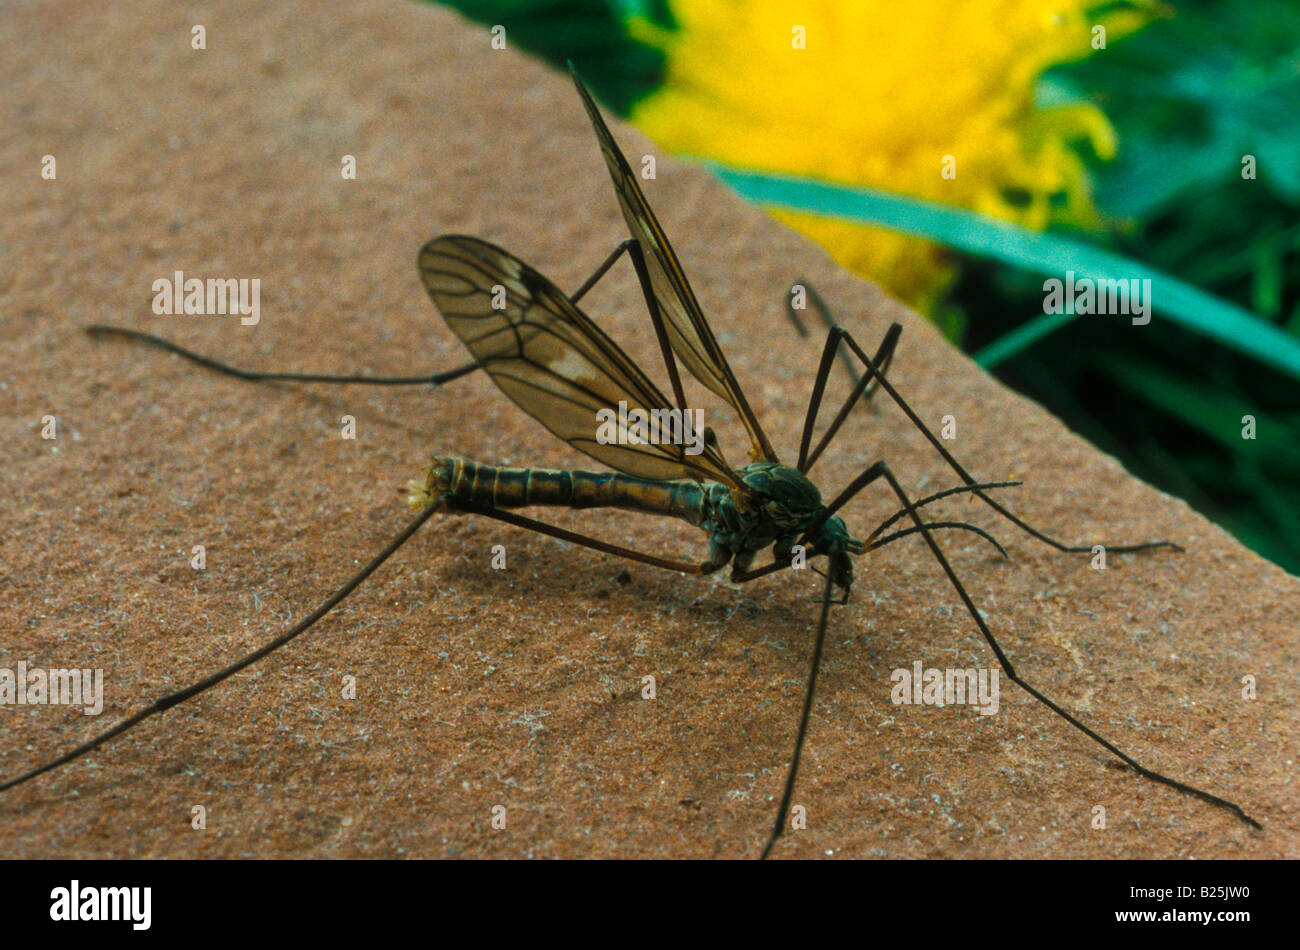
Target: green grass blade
<point>1047,254</point>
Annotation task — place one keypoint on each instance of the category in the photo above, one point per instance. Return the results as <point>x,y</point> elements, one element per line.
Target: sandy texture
<point>522,688</point>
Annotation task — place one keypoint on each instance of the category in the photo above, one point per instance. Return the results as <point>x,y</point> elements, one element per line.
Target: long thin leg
<point>815,667</point>
<point>840,333</point>
<point>435,379</point>
<point>828,321</point>
<point>884,354</point>
<point>1015,677</point>
<point>864,389</point>
<point>180,696</point>
<point>881,470</point>
<point>600,271</point>
<point>637,254</point>
<point>541,527</point>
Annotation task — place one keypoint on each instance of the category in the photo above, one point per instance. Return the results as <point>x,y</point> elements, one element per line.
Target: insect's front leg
<point>839,334</point>
<point>880,470</point>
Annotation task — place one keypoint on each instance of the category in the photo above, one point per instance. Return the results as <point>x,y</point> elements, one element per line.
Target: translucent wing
<point>688,332</point>
<point>550,358</point>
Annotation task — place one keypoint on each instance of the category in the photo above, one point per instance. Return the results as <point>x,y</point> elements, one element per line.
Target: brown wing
<point>550,358</point>
<point>688,332</point>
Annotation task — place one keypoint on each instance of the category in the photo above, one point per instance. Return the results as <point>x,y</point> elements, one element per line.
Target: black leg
<point>815,403</point>
<point>839,333</point>
<point>793,772</point>
<point>881,470</point>
<point>600,271</point>
<point>884,354</point>
<point>656,320</point>
<point>541,527</point>
<point>1015,677</point>
<point>180,696</point>
<point>436,379</point>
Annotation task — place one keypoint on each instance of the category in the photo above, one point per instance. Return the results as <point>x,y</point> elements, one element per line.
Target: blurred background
<point>1118,140</point>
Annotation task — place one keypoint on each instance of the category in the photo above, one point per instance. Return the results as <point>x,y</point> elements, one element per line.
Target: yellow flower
<point>885,95</point>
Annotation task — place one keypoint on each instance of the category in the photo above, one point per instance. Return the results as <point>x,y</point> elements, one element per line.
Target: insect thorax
<point>781,506</point>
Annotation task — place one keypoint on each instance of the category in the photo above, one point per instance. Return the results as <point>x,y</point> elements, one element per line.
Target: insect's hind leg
<point>833,339</point>
<point>181,695</point>
<point>432,379</point>
<point>435,379</point>
<point>541,527</point>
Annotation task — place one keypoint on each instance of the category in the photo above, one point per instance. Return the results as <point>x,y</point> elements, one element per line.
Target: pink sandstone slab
<point>523,688</point>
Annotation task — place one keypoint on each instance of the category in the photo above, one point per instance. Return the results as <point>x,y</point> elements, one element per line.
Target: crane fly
<point>557,365</point>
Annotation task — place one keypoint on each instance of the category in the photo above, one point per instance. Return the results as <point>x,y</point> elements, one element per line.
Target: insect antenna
<point>932,525</point>
<point>872,543</point>
<point>181,695</point>
<point>833,340</point>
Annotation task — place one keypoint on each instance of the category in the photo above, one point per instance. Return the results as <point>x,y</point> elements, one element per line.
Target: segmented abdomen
<point>462,484</point>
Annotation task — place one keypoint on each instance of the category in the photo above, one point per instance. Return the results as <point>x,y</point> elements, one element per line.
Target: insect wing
<point>688,332</point>
<point>552,360</point>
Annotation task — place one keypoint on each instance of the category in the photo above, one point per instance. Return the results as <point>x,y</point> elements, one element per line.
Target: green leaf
<point>1190,95</point>
<point>1045,254</point>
